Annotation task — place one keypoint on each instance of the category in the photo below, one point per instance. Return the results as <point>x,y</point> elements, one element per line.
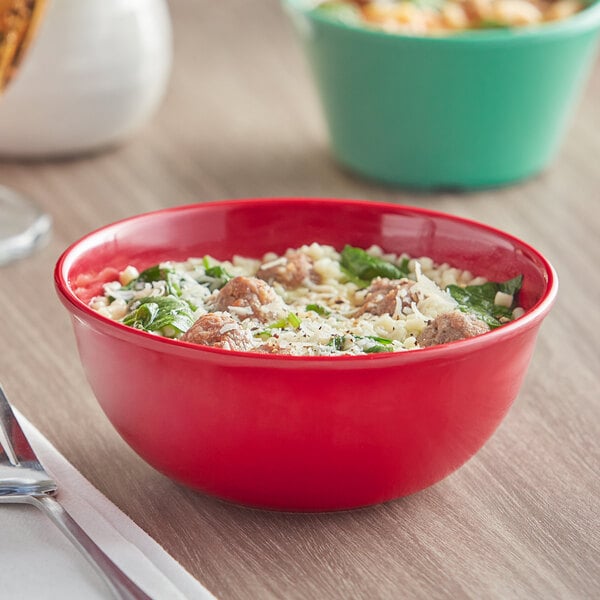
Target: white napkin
<point>38,561</point>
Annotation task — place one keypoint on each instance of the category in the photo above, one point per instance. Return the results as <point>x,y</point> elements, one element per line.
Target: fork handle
<point>120,585</point>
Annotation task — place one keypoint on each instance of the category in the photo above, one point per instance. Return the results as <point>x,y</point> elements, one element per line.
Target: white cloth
<point>38,561</point>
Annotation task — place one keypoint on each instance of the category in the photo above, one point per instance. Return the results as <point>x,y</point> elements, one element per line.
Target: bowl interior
<point>253,227</point>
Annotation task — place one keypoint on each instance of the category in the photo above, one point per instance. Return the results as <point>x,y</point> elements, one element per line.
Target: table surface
<point>241,119</point>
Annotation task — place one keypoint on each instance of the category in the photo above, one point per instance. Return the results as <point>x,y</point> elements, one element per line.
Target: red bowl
<point>302,433</point>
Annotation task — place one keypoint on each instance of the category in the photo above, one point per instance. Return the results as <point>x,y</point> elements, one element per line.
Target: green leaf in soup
<point>380,340</point>
<point>382,344</point>
<point>143,316</point>
<point>317,308</point>
<point>154,273</point>
<point>337,342</point>
<point>157,312</point>
<point>217,272</point>
<point>220,277</point>
<point>360,283</point>
<point>376,349</point>
<point>292,319</point>
<point>469,302</point>
<point>263,335</point>
<point>362,267</point>
<point>512,286</point>
<point>157,273</point>
<point>281,324</point>
<point>479,299</point>
<point>403,266</point>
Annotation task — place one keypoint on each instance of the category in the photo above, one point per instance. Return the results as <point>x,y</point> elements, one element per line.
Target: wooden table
<point>520,520</point>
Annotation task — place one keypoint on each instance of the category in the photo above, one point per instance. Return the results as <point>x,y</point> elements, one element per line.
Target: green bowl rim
<point>584,21</point>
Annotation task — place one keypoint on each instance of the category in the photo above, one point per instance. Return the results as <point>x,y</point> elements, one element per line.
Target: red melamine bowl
<point>302,433</point>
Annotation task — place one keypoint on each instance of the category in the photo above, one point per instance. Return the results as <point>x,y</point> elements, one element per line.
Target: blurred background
<point>241,118</point>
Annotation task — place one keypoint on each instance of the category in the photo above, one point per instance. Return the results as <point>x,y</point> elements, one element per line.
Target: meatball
<point>219,330</point>
<point>249,297</point>
<point>290,271</point>
<point>450,327</point>
<point>384,294</point>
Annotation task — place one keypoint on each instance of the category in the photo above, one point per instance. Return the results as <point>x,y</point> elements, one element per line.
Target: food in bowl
<point>302,432</point>
<point>474,109</point>
<point>310,301</point>
<point>446,16</point>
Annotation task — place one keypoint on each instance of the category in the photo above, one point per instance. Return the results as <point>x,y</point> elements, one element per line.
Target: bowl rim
<point>76,306</point>
<point>585,20</point>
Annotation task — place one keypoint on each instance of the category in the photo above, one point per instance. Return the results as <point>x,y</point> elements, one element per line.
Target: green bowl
<point>476,109</point>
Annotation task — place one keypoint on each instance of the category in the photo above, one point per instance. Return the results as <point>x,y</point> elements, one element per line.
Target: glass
<point>23,226</point>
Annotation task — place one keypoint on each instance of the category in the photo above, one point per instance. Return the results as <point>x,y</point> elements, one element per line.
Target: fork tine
<point>24,474</point>
<point>13,439</point>
<point>6,419</point>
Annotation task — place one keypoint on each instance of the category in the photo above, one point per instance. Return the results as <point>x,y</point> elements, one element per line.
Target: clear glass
<point>23,226</point>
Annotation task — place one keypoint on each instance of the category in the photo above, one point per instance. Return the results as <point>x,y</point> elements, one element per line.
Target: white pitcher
<point>94,75</point>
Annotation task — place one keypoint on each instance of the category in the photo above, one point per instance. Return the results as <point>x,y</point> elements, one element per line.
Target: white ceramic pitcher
<point>95,74</point>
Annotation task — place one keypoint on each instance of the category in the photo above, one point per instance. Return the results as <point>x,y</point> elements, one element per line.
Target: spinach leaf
<point>294,320</point>
<point>404,267</point>
<point>382,345</point>
<point>479,299</point>
<point>291,319</point>
<point>320,310</point>
<point>380,340</point>
<point>216,272</point>
<point>156,312</point>
<point>361,267</point>
<point>376,349</point>
<point>337,342</point>
<point>263,335</point>
<point>512,286</point>
<point>143,316</point>
<point>156,273</point>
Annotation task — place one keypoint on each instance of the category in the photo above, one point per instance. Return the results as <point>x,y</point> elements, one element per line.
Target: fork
<point>23,480</point>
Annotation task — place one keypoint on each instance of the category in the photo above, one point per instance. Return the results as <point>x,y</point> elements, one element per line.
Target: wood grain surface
<point>241,119</point>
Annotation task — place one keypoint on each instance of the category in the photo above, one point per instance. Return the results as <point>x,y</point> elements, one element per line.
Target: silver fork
<point>24,481</point>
